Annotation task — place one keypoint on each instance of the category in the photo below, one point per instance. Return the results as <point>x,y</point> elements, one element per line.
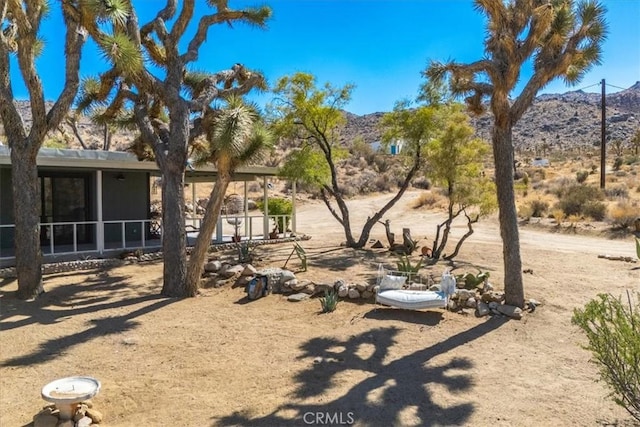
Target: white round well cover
<point>70,389</point>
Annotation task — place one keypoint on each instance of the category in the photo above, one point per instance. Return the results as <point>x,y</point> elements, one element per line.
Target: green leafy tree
<point>561,38</point>
<point>171,108</point>
<point>312,116</point>
<point>20,24</point>
<point>235,138</point>
<point>455,162</point>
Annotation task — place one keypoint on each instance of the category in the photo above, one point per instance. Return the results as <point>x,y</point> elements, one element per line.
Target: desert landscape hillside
<point>555,122</point>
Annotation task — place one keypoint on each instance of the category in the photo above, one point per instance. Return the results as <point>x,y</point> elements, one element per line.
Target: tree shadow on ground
<point>391,389</point>
<point>426,318</point>
<point>67,301</point>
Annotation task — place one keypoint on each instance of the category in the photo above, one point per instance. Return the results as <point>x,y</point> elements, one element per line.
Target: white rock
<point>343,291</point>
<point>353,293</point>
<point>465,294</point>
<point>487,287</point>
<point>84,422</point>
<point>290,283</point>
<point>361,287</point>
<point>452,305</point>
<point>338,284</point>
<point>212,266</point>
<point>286,276</point>
<point>471,302</point>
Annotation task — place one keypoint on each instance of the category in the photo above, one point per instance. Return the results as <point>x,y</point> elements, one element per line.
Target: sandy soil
<point>216,360</point>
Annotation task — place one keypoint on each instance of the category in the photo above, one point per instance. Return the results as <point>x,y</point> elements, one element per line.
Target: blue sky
<point>381,46</point>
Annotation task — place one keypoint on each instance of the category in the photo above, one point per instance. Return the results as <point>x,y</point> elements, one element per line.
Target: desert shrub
<point>560,186</point>
<point>427,199</point>
<point>421,182</point>
<point>595,210</point>
<point>613,333</point>
<point>538,208</point>
<point>536,174</point>
<point>558,215</point>
<point>575,198</point>
<point>382,164</point>
<point>525,179</point>
<point>525,212</point>
<point>617,163</point>
<point>617,192</point>
<point>581,176</point>
<point>632,160</point>
<point>623,214</point>
<point>383,183</point>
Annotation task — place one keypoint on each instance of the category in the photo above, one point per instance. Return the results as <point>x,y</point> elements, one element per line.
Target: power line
<point>617,87</point>
<point>587,87</point>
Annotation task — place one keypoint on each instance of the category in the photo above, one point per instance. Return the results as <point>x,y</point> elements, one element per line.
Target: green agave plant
<point>330,301</point>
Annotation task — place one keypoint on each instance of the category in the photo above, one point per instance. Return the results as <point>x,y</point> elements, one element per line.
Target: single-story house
<point>97,203</point>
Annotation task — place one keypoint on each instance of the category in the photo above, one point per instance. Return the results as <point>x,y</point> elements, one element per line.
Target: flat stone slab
<point>297,297</point>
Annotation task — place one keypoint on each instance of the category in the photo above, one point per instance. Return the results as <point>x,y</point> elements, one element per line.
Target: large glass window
<point>65,198</point>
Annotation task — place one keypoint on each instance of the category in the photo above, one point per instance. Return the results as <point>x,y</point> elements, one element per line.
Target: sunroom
<point>98,203</point>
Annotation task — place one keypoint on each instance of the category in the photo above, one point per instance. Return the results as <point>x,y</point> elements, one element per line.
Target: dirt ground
<point>216,360</point>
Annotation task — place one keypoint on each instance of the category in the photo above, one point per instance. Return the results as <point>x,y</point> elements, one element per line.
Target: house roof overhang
<point>116,160</point>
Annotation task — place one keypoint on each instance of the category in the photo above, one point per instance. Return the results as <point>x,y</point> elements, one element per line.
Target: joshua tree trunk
<point>211,215</point>
<point>174,244</point>
<point>24,174</point>
<point>503,158</point>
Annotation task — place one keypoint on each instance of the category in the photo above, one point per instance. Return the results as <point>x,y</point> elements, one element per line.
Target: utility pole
<point>603,136</point>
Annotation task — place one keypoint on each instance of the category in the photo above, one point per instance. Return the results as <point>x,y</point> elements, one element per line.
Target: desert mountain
<point>558,121</point>
<point>561,121</point>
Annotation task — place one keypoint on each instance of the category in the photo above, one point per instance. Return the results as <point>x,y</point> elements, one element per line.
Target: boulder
<point>286,275</point>
<point>299,285</point>
<point>227,271</point>
<point>339,283</point>
<point>353,293</point>
<point>465,294</point>
<point>361,287</point>
<point>493,305</point>
<point>510,311</point>
<point>290,283</point>
<point>95,415</point>
<point>366,294</point>
<point>343,291</point>
<point>89,403</point>
<point>249,270</point>
<point>482,309</point>
<point>452,305</point>
<point>212,266</point>
<point>471,303</point>
<point>297,297</point>
<point>321,288</point>
<point>84,422</point>
<point>435,288</point>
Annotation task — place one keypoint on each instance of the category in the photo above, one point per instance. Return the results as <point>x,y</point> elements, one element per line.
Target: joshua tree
<point>171,111</point>
<point>235,138</point>
<point>560,38</point>
<point>20,23</point>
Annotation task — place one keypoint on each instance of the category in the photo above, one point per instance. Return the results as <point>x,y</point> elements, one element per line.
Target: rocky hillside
<point>559,121</point>
<point>555,121</point>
